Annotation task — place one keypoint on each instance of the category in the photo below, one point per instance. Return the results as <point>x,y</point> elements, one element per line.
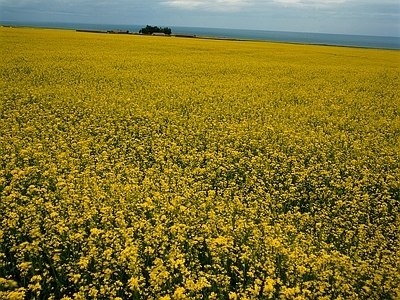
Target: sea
<point>360,41</point>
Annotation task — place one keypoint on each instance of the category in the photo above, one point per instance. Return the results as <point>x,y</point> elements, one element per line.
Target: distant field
<point>137,167</point>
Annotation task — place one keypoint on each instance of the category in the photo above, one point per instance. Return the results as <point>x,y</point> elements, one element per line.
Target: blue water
<point>363,41</point>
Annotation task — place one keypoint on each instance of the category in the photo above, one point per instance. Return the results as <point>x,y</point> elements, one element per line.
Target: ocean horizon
<point>345,40</point>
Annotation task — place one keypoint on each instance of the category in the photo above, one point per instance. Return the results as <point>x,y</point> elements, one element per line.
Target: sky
<point>365,17</point>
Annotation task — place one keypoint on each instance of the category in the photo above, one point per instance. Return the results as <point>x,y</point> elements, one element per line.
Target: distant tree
<point>167,30</point>
<point>152,29</point>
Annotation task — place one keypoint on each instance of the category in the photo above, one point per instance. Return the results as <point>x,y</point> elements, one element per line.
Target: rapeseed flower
<point>223,174</point>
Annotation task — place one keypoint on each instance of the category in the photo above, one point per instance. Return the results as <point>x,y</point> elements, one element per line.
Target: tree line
<point>154,29</point>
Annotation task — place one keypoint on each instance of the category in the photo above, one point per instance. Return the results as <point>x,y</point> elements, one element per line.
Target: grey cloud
<point>378,17</point>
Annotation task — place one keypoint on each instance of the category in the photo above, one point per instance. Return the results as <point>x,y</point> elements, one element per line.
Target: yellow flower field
<point>140,167</point>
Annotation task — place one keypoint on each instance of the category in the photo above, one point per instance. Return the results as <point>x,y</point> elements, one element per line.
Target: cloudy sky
<point>369,17</point>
